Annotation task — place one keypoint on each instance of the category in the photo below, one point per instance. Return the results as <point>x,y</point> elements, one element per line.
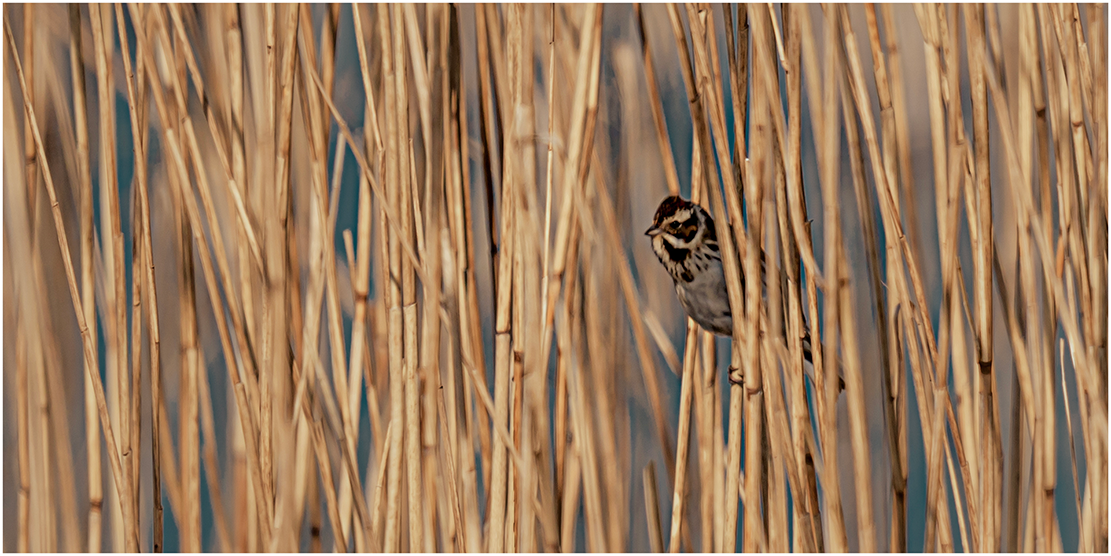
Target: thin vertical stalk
<point>738,80</point>
<point>690,372</point>
<point>92,434</point>
<point>990,474</point>
<point>755,380</point>
<point>29,163</point>
<point>396,341</point>
<point>23,501</point>
<point>407,190</point>
<point>503,362</point>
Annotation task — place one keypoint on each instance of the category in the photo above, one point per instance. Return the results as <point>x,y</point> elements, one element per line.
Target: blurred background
<point>476,153</point>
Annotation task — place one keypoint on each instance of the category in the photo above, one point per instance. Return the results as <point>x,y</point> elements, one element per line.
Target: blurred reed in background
<point>330,277</point>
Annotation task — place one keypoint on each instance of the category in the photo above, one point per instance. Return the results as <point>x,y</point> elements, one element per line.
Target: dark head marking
<point>670,206</point>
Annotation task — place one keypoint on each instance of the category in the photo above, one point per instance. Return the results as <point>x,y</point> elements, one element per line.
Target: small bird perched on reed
<point>685,241</point>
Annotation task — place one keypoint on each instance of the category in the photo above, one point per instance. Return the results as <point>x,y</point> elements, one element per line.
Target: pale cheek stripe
<point>676,242</point>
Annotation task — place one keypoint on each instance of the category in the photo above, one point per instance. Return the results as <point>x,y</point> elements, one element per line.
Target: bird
<point>684,239</point>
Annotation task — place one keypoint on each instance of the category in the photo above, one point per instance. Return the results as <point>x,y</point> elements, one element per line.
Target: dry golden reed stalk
<point>411,308</point>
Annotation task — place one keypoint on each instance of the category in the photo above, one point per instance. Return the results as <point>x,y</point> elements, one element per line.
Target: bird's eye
<point>673,225</point>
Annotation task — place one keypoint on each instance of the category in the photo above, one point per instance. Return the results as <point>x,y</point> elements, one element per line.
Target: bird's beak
<point>653,231</point>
